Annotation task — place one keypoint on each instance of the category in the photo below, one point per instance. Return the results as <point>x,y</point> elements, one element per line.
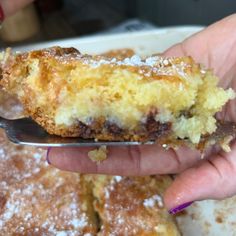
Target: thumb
<point>212,179</point>
<point>11,7</point>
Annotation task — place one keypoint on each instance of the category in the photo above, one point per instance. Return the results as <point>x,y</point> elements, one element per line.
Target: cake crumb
<point>219,220</point>
<point>98,155</point>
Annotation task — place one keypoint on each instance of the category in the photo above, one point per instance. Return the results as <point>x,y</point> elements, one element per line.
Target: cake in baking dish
<point>40,200</point>
<point>105,98</point>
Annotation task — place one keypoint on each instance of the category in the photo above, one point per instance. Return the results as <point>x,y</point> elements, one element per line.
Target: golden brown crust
<point>119,53</point>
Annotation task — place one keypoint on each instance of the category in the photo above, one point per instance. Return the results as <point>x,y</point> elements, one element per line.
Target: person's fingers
<point>11,7</point>
<point>212,179</point>
<point>209,46</point>
<point>127,160</point>
<point>215,48</point>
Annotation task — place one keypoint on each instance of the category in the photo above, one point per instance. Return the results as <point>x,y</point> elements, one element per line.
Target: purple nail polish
<point>47,156</point>
<point>180,208</point>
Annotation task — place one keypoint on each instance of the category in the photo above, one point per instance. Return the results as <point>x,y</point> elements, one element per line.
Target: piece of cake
<point>134,99</point>
<point>132,206</point>
<point>37,199</point>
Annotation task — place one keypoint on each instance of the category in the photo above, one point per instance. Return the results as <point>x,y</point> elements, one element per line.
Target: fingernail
<point>47,156</point>
<point>180,208</point>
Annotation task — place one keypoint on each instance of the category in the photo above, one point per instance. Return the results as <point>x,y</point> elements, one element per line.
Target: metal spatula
<point>27,132</point>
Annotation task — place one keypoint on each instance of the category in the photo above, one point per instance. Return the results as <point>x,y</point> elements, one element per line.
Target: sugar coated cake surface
<point>132,205</point>
<point>37,199</point>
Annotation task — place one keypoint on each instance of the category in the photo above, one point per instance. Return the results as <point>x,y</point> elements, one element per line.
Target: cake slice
<point>105,98</point>
<point>40,200</point>
<point>132,205</point>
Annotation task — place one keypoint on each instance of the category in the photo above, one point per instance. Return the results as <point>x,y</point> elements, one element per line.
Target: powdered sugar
<point>132,61</point>
<point>117,178</point>
<point>37,155</point>
<point>151,202</point>
<point>151,65</point>
<point>11,209</point>
<point>62,233</point>
<point>80,222</point>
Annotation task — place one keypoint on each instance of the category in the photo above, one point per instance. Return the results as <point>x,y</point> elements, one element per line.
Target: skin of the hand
<point>211,178</point>
<point>10,7</point>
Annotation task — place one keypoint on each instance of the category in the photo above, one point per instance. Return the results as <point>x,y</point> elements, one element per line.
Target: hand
<point>11,7</point>
<point>198,179</point>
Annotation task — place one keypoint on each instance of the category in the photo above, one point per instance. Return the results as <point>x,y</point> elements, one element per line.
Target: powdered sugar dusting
<point>152,65</point>
<point>80,222</point>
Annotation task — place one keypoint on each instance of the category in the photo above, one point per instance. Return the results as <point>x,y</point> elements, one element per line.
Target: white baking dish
<point>145,42</point>
<point>204,218</point>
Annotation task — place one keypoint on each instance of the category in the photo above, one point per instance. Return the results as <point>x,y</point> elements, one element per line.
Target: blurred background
<point>55,19</point>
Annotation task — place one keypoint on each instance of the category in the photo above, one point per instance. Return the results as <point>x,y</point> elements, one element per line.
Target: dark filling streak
<point>150,130</point>
<point>85,130</point>
<point>112,128</point>
<point>156,129</point>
